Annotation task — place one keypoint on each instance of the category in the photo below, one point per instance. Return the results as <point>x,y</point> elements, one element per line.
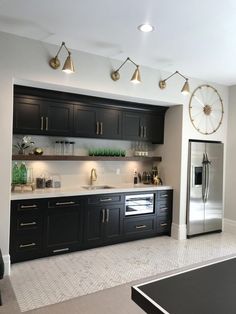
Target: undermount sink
<point>97,187</point>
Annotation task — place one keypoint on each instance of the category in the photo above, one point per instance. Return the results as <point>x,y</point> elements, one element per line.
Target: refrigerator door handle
<point>204,177</point>
<point>207,178</point>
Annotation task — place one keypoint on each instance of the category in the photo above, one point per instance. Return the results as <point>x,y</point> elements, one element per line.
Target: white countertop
<point>79,191</point>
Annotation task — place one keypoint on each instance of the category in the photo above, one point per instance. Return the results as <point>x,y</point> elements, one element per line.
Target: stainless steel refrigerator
<point>205,187</point>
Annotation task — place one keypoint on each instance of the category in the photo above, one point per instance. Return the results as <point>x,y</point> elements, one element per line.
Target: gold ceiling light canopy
<point>68,66</point>
<point>185,89</point>
<point>136,77</point>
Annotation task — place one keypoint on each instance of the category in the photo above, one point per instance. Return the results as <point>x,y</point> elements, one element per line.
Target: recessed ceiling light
<point>146,28</point>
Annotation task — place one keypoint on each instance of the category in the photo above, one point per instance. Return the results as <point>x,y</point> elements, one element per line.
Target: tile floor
<point>51,280</point>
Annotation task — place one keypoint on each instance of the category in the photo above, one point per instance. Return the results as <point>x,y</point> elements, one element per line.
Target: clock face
<point>206,109</point>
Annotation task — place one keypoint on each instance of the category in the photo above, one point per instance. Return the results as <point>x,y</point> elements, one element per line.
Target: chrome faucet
<point>93,176</point>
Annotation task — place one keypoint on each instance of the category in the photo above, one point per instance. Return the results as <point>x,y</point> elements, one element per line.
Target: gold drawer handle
<point>28,206</point>
<point>164,224</point>
<point>61,250</point>
<point>163,208</point>
<point>105,199</point>
<point>164,195</point>
<point>23,224</point>
<point>64,203</point>
<point>141,226</point>
<point>27,245</point>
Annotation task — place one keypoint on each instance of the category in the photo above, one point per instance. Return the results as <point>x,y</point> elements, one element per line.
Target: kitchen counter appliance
<point>138,204</point>
<point>205,180</point>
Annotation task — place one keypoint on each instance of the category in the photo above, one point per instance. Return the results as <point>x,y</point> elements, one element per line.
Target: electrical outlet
<point>118,171</point>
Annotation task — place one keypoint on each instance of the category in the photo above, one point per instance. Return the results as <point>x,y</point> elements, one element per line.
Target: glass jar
<point>72,148</point>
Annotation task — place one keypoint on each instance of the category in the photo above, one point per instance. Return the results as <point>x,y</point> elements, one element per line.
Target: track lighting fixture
<point>136,78</point>
<point>68,66</point>
<point>185,88</point>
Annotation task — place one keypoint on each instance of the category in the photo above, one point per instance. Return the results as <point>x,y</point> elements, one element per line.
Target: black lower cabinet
<point>139,226</point>
<point>26,232</point>
<point>103,224</point>
<point>63,225</point>
<point>50,226</point>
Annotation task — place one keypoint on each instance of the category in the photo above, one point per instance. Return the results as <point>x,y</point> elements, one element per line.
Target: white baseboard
<point>178,232</point>
<point>229,225</point>
<point>7,264</point>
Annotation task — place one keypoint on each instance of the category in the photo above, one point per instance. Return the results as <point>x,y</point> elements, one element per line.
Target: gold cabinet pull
<point>23,224</point>
<point>163,224</point>
<point>107,215</point>
<point>97,128</point>
<point>41,124</point>
<point>140,226</point>
<point>101,128</point>
<point>65,203</point>
<point>46,123</point>
<point>28,206</point>
<point>61,250</point>
<point>103,215</point>
<point>145,131</point>
<point>105,199</point>
<point>27,245</point>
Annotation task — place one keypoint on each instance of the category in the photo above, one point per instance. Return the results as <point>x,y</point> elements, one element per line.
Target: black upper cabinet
<point>91,121</point>
<point>33,115</point>
<point>45,112</point>
<point>144,127</point>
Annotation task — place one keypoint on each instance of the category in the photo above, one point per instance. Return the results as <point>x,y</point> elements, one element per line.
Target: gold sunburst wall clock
<point>206,109</point>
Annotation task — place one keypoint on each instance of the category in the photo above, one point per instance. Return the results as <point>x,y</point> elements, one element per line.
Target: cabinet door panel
<point>27,116</point>
<point>110,123</point>
<point>85,121</point>
<point>58,118</point>
<point>155,129</point>
<point>63,229</point>
<point>94,230</point>
<point>131,126</point>
<point>113,223</point>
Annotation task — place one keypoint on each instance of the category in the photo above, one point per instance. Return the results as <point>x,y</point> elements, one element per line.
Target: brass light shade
<point>185,89</point>
<point>68,65</point>
<point>136,78</point>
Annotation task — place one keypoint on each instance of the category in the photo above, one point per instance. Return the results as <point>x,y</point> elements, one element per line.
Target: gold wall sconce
<point>68,66</point>
<point>136,77</point>
<point>185,88</point>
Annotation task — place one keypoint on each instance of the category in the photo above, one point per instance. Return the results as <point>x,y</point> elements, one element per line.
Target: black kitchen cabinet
<point>37,116</point>
<point>26,231</point>
<point>46,112</point>
<point>164,211</point>
<point>91,121</point>
<point>103,219</point>
<point>63,225</point>
<point>49,226</point>
<point>139,126</point>
<point>139,226</point>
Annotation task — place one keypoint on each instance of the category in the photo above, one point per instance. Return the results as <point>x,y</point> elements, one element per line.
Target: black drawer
<point>164,195</point>
<point>28,222</point>
<point>163,209</point>
<point>163,226</point>
<point>137,226</point>
<point>63,202</point>
<point>26,206</point>
<point>105,199</point>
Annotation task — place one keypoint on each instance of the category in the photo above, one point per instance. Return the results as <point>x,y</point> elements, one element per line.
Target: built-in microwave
<point>137,204</point>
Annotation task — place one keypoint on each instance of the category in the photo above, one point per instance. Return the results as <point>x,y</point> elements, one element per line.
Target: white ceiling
<point>192,36</point>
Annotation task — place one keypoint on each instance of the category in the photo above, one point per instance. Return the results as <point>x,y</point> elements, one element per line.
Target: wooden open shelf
<point>84,158</point>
